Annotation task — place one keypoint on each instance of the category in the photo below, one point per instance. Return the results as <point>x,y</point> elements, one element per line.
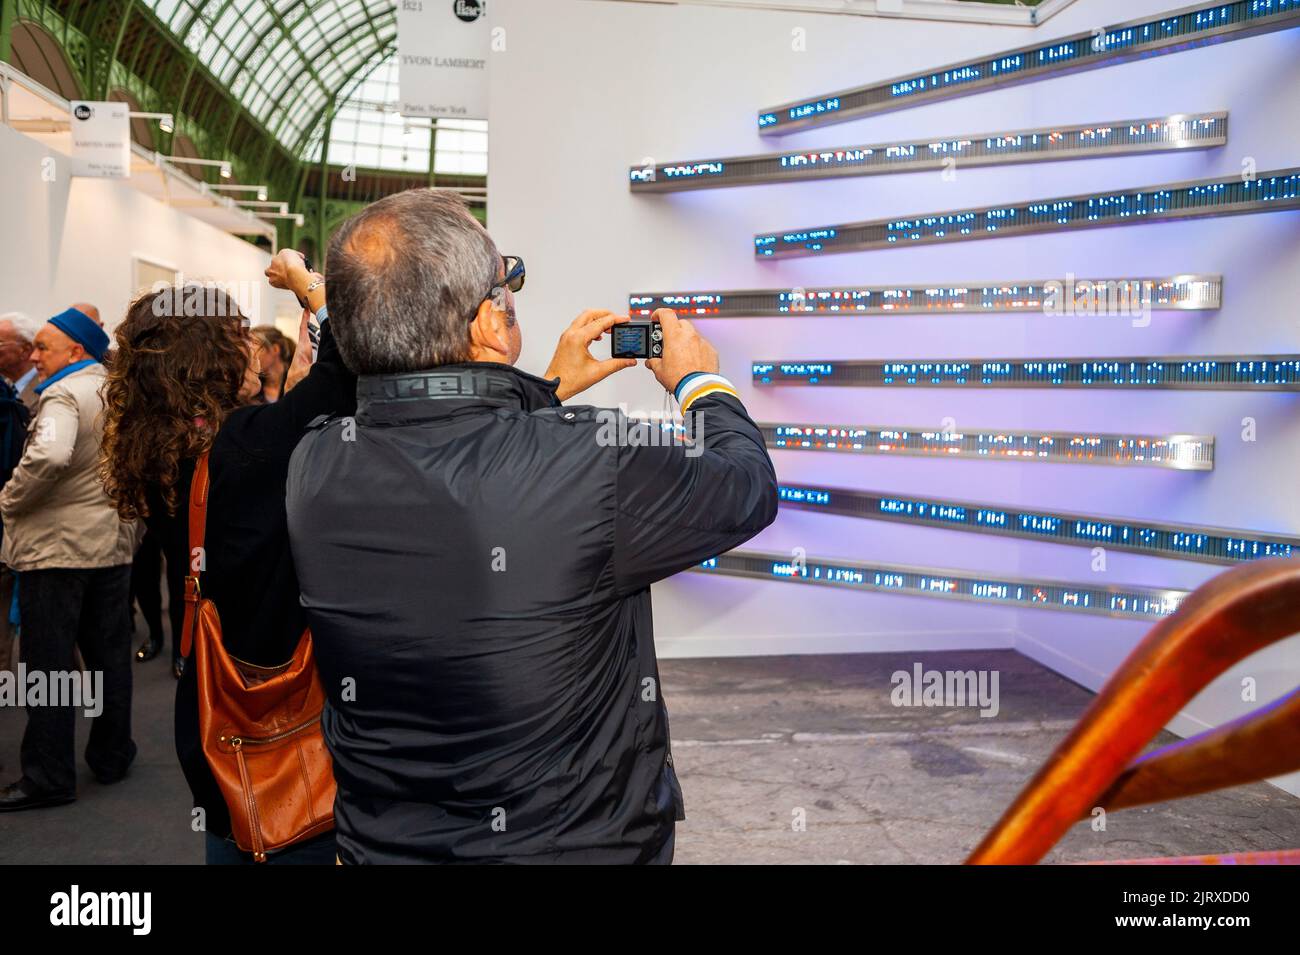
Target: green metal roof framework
<point>255,82</point>
<point>284,61</point>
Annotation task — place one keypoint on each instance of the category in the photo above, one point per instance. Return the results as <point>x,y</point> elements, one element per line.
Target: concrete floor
<point>755,740</point>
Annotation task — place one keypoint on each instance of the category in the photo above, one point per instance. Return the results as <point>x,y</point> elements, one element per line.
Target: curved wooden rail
<point>1259,745</point>
<point>1223,621</point>
<point>1275,857</point>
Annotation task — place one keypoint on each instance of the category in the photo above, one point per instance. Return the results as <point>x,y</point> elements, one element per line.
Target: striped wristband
<point>700,383</point>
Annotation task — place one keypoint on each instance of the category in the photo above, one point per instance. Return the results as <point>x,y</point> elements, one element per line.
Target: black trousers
<point>91,609</point>
<point>146,572</point>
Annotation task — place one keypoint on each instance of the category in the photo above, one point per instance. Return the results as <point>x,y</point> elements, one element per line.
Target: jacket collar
<point>438,392</point>
<point>66,372</point>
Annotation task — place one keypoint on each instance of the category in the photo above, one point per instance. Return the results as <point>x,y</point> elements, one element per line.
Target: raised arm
<point>679,505</point>
<point>328,388</point>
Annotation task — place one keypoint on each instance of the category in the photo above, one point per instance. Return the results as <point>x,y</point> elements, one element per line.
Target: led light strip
<point>1182,29</point>
<point>1126,296</point>
<point>1184,452</point>
<point>1083,141</point>
<point>1211,545</point>
<point>1218,372</point>
<point>1144,603</point>
<point>1200,198</point>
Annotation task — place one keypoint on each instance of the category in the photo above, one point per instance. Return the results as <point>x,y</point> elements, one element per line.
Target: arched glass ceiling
<point>284,60</point>
<point>369,132</point>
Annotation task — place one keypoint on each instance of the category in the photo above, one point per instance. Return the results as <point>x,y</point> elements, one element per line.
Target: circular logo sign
<point>83,111</point>
<point>467,10</point>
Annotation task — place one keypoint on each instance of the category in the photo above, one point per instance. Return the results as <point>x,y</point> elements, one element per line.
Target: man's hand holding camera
<point>573,362</point>
<point>685,351</point>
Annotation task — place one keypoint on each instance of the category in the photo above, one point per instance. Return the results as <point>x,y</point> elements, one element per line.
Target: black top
<point>475,562</point>
<point>249,574</point>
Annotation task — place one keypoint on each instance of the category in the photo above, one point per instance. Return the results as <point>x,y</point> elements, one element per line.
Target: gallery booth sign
<point>443,50</point>
<point>101,140</point>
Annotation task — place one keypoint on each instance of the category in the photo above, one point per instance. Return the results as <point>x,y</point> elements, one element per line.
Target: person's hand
<point>685,350</point>
<point>574,364</point>
<point>288,270</point>
<point>301,364</point>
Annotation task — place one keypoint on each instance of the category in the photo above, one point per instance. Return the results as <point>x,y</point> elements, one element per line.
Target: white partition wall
<point>65,240</point>
<point>656,84</point>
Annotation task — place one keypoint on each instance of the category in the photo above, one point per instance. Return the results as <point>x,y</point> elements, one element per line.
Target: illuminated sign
<point>1202,198</point>
<point>1185,452</point>
<point>1220,372</point>
<point>1112,296</point>
<point>1171,32</point>
<point>1157,538</point>
<point>1146,603</point>
<point>1113,138</point>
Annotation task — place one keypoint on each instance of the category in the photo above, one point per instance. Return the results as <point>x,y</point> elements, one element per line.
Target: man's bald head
<point>373,243</point>
<point>406,277</point>
<point>92,313</point>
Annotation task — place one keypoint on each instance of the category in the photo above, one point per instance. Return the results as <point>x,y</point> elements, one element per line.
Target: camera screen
<point>631,341</point>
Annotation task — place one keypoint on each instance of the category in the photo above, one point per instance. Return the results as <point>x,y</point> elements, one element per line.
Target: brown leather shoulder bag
<point>259,726</point>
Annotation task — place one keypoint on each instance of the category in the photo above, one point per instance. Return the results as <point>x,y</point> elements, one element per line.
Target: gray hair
<point>406,276</point>
<point>24,327</point>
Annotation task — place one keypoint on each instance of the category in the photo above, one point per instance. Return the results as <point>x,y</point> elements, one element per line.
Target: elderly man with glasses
<point>18,400</point>
<point>476,558</point>
<point>16,334</point>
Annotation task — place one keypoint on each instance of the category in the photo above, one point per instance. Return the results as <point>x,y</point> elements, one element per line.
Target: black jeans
<point>319,850</point>
<point>146,574</point>
<point>61,609</point>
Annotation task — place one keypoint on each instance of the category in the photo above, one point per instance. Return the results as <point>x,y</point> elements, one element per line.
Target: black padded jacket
<point>475,563</point>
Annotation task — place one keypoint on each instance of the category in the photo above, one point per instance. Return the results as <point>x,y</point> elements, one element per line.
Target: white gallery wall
<point>582,90</point>
<point>66,239</point>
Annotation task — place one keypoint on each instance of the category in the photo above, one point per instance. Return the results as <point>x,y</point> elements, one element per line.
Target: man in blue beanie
<point>70,338</point>
<point>73,557</point>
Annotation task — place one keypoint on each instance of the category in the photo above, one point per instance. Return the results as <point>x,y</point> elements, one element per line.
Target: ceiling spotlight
<point>166,121</point>
<point>298,220</point>
<point>225,170</point>
<point>261,195</point>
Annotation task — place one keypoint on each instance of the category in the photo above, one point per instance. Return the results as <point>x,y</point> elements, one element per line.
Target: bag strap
<point>198,527</point>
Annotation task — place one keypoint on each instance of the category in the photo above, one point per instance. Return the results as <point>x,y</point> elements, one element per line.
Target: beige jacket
<point>55,511</point>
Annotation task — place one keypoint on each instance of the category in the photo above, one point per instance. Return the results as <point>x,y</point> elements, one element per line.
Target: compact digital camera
<point>637,340</point>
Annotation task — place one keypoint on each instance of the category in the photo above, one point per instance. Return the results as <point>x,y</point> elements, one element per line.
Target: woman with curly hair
<point>184,381</point>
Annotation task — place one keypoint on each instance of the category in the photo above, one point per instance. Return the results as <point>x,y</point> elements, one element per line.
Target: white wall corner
<point>1183,725</point>
<point>795,644</point>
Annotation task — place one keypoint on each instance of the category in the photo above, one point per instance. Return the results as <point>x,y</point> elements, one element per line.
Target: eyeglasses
<point>514,278</point>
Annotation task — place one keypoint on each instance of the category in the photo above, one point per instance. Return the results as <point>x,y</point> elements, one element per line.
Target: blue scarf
<point>65,372</point>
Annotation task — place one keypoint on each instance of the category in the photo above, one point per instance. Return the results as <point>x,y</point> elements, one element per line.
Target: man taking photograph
<point>476,562</point>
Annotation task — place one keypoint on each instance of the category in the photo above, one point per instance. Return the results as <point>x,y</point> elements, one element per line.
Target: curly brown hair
<point>176,375</point>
